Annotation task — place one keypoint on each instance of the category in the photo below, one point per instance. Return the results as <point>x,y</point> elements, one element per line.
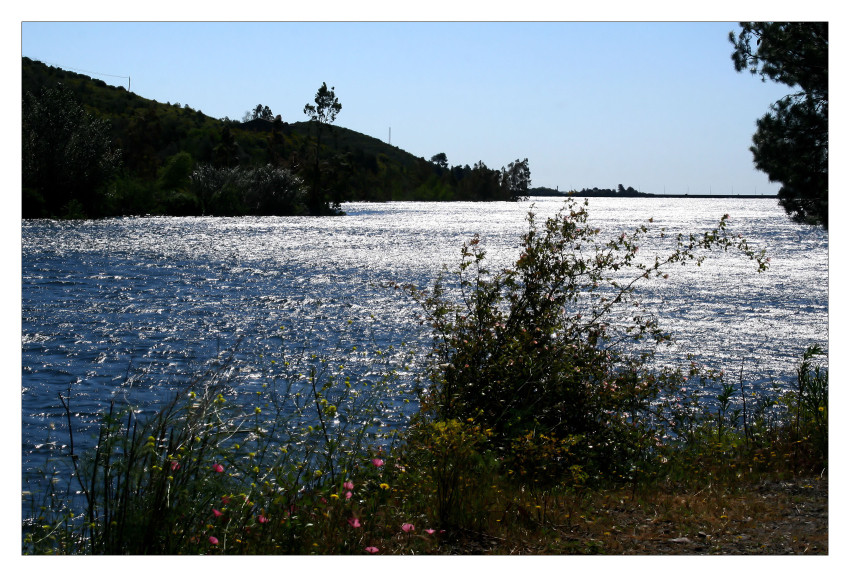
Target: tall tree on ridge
<point>323,112</point>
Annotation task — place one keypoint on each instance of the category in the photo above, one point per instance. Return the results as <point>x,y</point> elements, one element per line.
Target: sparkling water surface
<point>131,308</point>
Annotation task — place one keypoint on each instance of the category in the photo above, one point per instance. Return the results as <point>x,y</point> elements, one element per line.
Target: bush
<point>263,191</point>
<point>558,347</point>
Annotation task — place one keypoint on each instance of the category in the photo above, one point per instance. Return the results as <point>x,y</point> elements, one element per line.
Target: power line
<point>89,72</point>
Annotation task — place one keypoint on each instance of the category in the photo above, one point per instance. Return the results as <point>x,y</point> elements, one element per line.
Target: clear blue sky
<point>656,106</point>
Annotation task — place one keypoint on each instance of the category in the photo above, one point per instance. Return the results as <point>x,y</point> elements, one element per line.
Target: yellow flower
<point>384,486</point>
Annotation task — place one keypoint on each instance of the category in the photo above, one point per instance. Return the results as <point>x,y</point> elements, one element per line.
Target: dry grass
<point>771,517</point>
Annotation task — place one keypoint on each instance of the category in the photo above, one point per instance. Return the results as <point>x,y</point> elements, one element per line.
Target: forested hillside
<point>91,149</point>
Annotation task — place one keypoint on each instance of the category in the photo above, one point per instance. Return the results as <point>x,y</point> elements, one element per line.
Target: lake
<point>131,308</point>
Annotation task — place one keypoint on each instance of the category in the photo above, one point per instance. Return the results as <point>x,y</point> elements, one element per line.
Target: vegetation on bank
<point>542,427</point>
<point>94,150</point>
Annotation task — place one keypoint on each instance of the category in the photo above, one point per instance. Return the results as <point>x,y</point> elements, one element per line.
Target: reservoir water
<point>130,308</point>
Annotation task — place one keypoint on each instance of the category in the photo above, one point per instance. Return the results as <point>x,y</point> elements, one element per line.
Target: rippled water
<point>129,308</point>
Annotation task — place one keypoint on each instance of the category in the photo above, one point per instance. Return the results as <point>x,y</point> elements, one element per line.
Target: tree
<point>791,141</point>
<point>226,152</point>
<point>261,112</point>
<point>440,160</point>
<point>517,179</point>
<point>323,112</point>
<point>68,156</point>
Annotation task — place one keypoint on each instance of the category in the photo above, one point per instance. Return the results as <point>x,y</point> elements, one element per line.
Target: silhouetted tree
<point>517,179</point>
<point>791,141</point>
<point>324,111</point>
<point>440,160</point>
<point>67,156</point>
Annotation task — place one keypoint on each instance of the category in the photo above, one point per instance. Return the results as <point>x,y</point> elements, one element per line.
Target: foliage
<point>68,156</point>
<point>324,112</point>
<point>791,141</point>
<point>250,469</point>
<point>517,179</point>
<point>558,346</point>
<point>808,406</point>
<point>264,190</point>
<point>449,463</point>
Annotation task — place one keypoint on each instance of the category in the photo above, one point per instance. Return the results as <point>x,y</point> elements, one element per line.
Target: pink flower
<point>213,541</point>
<point>371,549</point>
<point>430,531</point>
<point>218,468</point>
<point>348,485</point>
<point>175,465</point>
<point>225,500</point>
<point>348,494</point>
<point>216,512</point>
<point>263,519</point>
<point>407,527</point>
<point>378,462</point>
<point>354,522</point>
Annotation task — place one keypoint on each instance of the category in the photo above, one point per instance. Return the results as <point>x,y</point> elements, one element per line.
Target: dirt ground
<point>768,518</point>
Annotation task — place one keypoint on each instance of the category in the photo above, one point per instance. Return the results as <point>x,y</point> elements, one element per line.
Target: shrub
<point>264,190</point>
<point>558,346</point>
<point>808,407</point>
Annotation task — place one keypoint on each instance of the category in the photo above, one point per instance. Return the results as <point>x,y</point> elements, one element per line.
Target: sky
<point>656,106</point>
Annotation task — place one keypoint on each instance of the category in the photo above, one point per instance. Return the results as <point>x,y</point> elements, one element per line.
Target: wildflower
<point>384,486</point>
<point>213,541</point>
<point>175,465</point>
<point>218,468</point>
<point>348,485</point>
<point>371,550</point>
<point>354,522</point>
<point>348,494</point>
<point>258,410</point>
<point>217,513</point>
<point>225,500</point>
<point>408,527</point>
<point>378,462</point>
<point>263,519</point>
<point>430,531</point>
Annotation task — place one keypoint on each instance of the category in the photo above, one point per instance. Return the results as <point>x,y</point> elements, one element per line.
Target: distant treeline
<point>589,192</point>
<point>624,192</point>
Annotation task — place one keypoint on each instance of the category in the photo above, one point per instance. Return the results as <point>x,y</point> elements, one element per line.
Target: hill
<point>143,157</point>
